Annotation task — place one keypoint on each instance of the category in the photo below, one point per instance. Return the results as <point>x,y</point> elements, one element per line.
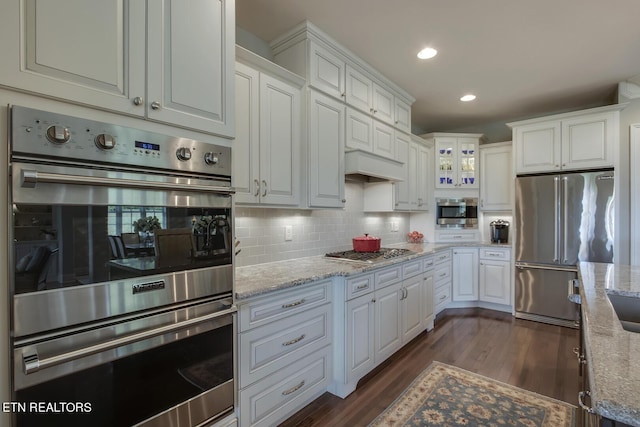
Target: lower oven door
<point>172,368</point>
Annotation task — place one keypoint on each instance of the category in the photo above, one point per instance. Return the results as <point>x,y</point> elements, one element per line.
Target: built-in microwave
<point>457,213</point>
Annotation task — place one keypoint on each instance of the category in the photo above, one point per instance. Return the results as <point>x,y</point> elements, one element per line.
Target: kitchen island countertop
<point>613,354</point>
<point>261,279</point>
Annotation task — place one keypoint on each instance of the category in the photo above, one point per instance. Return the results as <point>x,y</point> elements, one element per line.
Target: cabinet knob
<point>342,95</point>
<point>155,105</point>
<point>344,200</point>
<point>371,110</point>
<point>138,100</point>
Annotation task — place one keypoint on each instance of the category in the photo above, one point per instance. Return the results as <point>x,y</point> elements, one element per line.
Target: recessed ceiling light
<point>467,98</point>
<point>427,53</point>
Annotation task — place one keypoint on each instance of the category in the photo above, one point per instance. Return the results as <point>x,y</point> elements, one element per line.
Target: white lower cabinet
<point>285,352</point>
<point>382,311</point>
<point>442,281</point>
<point>465,274</point>
<point>495,276</point>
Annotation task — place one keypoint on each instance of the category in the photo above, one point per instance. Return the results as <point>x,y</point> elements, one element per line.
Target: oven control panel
<point>46,135</point>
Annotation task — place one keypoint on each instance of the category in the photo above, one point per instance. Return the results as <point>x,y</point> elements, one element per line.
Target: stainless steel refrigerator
<point>559,220</point>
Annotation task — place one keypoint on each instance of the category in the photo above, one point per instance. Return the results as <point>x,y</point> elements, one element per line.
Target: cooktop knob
<point>105,141</point>
<point>58,134</point>
<point>211,158</point>
<point>183,153</point>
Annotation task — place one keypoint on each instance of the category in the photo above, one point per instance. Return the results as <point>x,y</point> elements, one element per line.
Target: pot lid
<point>499,222</point>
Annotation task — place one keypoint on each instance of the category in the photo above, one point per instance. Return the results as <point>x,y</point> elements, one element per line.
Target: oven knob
<point>105,141</point>
<point>211,159</point>
<point>183,153</point>
<point>58,134</point>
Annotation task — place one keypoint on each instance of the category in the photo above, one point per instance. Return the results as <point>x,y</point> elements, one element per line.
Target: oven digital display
<point>147,146</point>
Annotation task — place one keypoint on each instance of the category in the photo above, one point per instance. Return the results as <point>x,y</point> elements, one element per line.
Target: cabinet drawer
<point>502,254</point>
<point>268,348</point>
<point>286,303</point>
<point>387,276</point>
<point>457,236</point>
<point>442,272</point>
<point>270,401</point>
<point>360,285</point>
<point>442,298</point>
<point>428,263</point>
<point>441,257</point>
<point>411,268</point>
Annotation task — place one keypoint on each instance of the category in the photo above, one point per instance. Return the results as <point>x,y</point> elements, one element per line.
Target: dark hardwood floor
<point>530,355</point>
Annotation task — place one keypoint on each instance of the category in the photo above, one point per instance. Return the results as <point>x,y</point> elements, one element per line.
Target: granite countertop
<point>613,353</point>
<point>261,279</point>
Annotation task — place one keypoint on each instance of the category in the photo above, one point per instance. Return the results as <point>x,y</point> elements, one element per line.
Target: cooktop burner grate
<point>370,257</point>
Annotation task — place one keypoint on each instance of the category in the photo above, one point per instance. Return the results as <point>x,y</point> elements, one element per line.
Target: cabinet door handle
<point>257,193</point>
<point>293,341</point>
<point>293,304</point>
<point>155,105</point>
<point>361,287</point>
<point>443,297</point>
<point>581,396</point>
<point>443,274</point>
<point>293,389</point>
<point>264,190</point>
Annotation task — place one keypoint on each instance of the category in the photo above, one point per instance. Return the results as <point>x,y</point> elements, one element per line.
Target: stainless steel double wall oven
<point>122,255</point>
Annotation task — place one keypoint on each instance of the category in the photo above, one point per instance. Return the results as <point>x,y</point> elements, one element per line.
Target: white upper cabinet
<point>578,140</point>
<point>402,115</point>
<point>167,63</point>
<point>383,104</point>
<point>326,71</point>
<point>359,90</point>
<point>267,148</point>
<point>415,192</point>
<point>456,159</point>
<point>359,131</point>
<point>326,121</point>
<point>496,177</point>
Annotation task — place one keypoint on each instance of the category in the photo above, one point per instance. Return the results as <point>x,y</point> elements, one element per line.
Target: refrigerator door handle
<point>565,217</point>
<point>556,219</point>
<point>526,265</point>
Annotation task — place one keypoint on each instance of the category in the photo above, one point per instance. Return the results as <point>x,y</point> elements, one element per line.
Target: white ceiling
<point>521,58</point>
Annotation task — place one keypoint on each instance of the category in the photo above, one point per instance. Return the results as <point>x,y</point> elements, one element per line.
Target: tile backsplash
<point>261,231</point>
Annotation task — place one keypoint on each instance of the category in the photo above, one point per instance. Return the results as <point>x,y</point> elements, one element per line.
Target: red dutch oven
<point>366,243</point>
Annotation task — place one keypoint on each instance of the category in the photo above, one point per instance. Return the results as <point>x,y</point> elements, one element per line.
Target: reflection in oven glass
<point>58,246</point>
<point>130,390</point>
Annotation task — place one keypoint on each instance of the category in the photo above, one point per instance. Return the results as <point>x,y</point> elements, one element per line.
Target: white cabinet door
<point>465,274</point>
<point>588,141</point>
<point>360,336</point>
<point>388,337</point>
<point>402,115</point>
<point>246,147</point>
<point>496,177</point>
<point>325,151</point>
<point>427,300</point>
<point>403,189</point>
<point>411,310</point>
<point>87,51</point>
<point>424,177</point>
<point>383,140</point>
<point>191,54</point>
<point>359,90</point>
<point>383,104</point>
<point>280,136</point>
<point>359,131</point>
<point>538,147</point>
<point>326,71</point>
<point>456,162</point>
<point>495,282</point>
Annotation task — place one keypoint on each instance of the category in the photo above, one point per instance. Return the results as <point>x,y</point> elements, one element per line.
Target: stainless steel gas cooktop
<point>370,257</point>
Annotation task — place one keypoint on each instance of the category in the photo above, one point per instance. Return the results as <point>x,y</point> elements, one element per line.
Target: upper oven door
<point>89,244</point>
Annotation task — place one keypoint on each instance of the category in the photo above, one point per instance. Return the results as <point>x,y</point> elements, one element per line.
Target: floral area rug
<point>444,395</point>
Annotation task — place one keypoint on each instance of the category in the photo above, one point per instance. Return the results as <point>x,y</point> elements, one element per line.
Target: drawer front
<point>276,345</point>
<point>411,268</point>
<point>387,277</point>
<point>286,303</point>
<point>357,286</point>
<point>502,254</point>
<point>272,400</point>
<point>441,257</point>
<point>428,263</point>
<point>457,236</point>
<point>441,298</point>
<point>442,272</point>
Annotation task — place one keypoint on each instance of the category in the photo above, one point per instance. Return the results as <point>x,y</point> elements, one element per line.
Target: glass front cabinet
<point>456,161</point>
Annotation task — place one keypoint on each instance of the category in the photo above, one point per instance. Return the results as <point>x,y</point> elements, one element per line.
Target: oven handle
<point>32,363</point>
<point>31,177</point>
